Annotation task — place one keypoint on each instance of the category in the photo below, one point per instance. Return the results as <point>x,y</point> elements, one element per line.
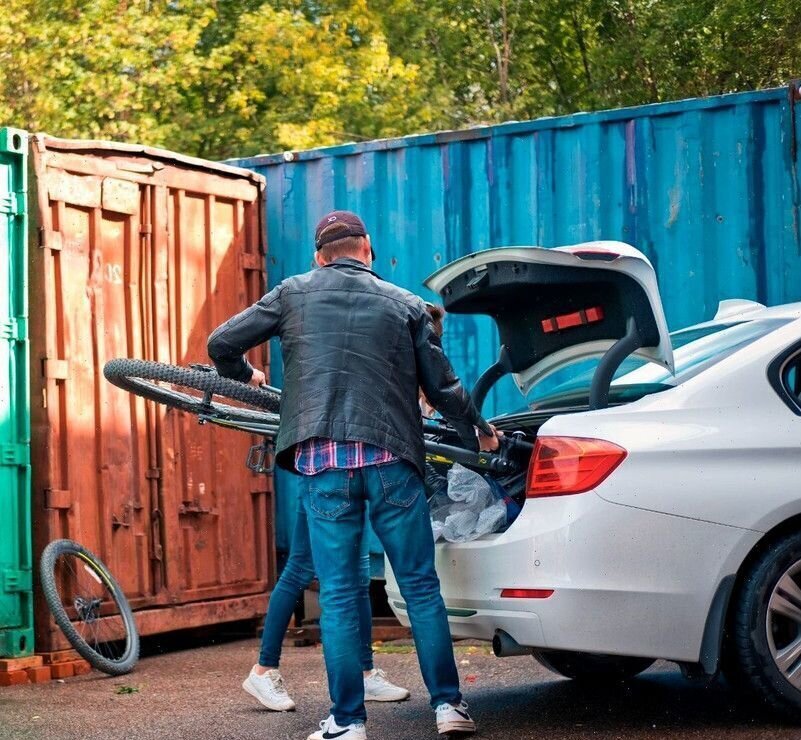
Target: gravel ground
<point>196,694</point>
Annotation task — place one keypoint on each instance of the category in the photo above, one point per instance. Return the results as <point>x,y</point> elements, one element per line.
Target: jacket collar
<point>351,262</point>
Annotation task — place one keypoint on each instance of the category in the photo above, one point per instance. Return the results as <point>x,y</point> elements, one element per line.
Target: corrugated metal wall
<point>707,188</point>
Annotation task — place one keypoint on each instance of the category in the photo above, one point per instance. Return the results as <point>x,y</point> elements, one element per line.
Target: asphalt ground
<point>196,693</point>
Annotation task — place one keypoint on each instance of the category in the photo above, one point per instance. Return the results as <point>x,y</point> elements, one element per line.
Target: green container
<point>16,596</point>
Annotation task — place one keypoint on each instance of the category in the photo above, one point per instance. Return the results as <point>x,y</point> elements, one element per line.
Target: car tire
<point>763,646</point>
<point>592,667</point>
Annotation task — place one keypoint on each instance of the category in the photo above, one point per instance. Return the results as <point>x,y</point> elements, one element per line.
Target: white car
<point>666,521</point>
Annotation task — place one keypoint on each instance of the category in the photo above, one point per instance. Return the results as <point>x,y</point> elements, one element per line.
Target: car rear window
<point>791,381</point>
<point>694,351</point>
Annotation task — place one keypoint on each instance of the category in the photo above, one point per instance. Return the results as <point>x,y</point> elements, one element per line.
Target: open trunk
<point>554,307</point>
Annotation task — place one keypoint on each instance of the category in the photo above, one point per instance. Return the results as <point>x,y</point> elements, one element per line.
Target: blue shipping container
<point>707,188</point>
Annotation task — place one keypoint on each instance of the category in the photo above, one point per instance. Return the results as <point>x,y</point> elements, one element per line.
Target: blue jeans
<point>335,502</point>
<point>295,578</point>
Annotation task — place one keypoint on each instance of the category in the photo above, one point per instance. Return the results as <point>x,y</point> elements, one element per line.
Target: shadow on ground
<point>195,693</point>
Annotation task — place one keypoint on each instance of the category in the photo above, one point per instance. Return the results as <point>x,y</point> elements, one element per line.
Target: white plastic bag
<point>470,510</point>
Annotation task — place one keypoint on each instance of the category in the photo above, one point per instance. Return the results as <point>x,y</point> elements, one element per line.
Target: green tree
<point>223,78</point>
<point>102,69</point>
<point>287,78</point>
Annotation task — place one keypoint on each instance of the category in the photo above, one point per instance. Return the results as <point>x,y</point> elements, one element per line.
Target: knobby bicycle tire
<point>142,377</point>
<point>47,576</point>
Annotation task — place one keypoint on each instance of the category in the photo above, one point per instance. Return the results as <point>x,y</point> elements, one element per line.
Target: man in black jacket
<point>356,349</point>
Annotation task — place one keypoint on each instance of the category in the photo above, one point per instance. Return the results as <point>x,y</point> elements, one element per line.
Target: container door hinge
<point>14,204</point>
<point>50,239</point>
<point>145,229</point>
<point>14,455</point>
<point>13,329</point>
<point>17,581</point>
<point>55,369</point>
<point>58,498</point>
<point>153,473</point>
<point>251,261</point>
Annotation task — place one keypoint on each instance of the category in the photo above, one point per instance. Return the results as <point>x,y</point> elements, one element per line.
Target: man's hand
<point>487,443</point>
<point>258,378</point>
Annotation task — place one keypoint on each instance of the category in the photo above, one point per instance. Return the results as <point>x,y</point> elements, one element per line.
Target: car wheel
<point>589,666</point>
<point>764,643</point>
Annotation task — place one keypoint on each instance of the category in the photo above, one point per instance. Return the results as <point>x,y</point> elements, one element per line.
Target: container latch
<point>13,204</point>
<point>14,454</point>
<point>13,329</point>
<point>16,581</point>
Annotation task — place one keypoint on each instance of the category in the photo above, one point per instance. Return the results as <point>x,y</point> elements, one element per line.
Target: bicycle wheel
<point>192,389</point>
<point>89,607</point>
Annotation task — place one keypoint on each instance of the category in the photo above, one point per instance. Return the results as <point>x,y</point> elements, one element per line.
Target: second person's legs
<point>265,683</point>
<point>295,578</point>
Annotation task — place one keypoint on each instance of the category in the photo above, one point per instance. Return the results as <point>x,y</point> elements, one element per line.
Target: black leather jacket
<point>355,349</point>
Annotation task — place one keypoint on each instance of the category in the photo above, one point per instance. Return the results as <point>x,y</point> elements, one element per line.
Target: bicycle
<point>255,410</point>
<point>89,607</point>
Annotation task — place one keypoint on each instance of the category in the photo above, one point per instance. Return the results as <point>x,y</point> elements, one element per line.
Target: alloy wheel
<point>784,624</point>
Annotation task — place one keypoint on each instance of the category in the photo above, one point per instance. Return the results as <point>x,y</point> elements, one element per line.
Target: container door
<point>140,253</point>
<point>95,472</point>
<point>16,609</point>
<point>217,513</point>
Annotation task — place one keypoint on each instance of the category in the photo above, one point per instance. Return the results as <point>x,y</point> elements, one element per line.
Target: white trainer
<point>268,689</point>
<point>453,720</point>
<point>330,730</point>
<point>378,688</point>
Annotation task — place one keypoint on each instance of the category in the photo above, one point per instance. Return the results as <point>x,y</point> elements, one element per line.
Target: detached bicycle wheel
<point>193,389</point>
<point>89,607</point>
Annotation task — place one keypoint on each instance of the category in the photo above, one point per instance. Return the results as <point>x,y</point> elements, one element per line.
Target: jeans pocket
<point>329,493</point>
<point>401,483</point>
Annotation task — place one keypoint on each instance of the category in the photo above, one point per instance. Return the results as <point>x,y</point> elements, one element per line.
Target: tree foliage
<point>221,78</point>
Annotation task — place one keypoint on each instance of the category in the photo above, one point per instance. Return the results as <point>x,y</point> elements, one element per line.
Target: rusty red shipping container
<point>139,252</point>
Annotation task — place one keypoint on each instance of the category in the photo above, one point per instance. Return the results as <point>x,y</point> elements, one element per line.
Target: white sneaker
<point>330,730</point>
<point>453,720</point>
<point>378,688</point>
<point>268,689</point>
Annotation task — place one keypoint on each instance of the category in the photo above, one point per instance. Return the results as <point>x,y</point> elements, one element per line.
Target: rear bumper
<point>626,581</point>
<point>481,624</point>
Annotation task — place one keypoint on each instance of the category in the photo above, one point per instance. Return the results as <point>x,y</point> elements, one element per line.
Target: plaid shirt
<point>317,454</point>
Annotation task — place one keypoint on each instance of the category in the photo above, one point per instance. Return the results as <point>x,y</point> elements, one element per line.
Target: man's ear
<point>318,258</point>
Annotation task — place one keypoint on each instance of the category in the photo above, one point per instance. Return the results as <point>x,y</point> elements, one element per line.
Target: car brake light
<point>604,255</point>
<point>565,465</point>
<point>569,320</point>
<point>526,593</point>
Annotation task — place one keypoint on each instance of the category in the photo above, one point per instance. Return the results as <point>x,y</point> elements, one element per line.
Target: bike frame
<point>499,462</point>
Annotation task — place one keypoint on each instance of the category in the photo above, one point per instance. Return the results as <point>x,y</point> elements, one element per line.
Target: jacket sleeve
<point>440,385</point>
<point>228,343</point>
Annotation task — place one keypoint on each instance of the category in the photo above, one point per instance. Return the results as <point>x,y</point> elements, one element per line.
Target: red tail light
<point>564,465</point>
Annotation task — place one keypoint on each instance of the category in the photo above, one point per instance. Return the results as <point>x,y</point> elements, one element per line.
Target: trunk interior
<point>522,427</point>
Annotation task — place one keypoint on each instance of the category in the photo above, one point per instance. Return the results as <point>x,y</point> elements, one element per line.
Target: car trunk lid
<point>556,306</point>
